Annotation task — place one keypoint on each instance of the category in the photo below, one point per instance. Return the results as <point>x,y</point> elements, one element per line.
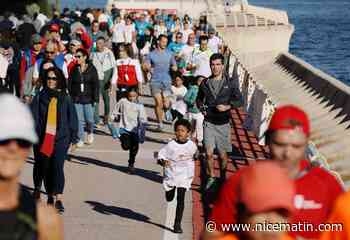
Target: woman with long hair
<point>84,90</point>
<point>57,127</point>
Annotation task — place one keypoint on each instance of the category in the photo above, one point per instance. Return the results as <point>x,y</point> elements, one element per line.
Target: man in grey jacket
<point>216,97</point>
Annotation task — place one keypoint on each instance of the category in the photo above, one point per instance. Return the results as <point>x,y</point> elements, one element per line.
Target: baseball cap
<point>54,28</point>
<point>266,186</point>
<point>16,120</point>
<point>290,117</point>
<point>36,39</point>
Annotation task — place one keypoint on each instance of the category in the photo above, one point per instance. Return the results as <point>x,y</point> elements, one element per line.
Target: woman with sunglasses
<point>83,87</point>
<point>57,127</point>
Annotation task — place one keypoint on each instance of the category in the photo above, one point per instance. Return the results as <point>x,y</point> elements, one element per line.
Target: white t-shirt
<point>102,18</point>
<point>214,43</point>
<point>187,54</point>
<point>3,66</point>
<point>129,31</point>
<point>177,102</point>
<point>181,170</point>
<point>160,30</point>
<point>118,33</point>
<point>185,34</point>
<point>202,61</point>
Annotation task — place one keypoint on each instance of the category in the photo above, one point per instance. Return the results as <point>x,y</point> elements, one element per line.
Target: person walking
<point>21,217</point>
<point>128,74</point>
<point>84,90</point>
<point>216,97</point>
<point>104,61</point>
<point>56,124</point>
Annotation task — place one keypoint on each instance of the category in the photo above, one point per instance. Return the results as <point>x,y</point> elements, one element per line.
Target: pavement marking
<point>169,221</point>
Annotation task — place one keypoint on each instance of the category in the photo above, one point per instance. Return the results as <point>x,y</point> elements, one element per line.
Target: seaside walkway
<point>103,201</point>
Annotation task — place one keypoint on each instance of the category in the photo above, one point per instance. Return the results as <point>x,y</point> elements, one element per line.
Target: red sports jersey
<point>316,191</point>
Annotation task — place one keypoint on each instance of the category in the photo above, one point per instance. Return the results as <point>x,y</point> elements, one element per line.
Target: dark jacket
<point>207,102</point>
<point>67,119</point>
<point>90,80</point>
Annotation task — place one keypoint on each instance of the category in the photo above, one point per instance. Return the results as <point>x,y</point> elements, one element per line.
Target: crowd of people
<point>63,67</point>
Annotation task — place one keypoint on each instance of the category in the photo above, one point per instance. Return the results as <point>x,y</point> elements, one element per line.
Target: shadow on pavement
<point>123,212</point>
<point>147,174</point>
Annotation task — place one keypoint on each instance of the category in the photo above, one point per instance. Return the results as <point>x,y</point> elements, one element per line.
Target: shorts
<point>163,88</point>
<point>217,137</point>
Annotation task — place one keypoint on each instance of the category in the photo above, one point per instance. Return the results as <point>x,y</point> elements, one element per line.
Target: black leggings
<point>180,206</point>
<point>130,141</point>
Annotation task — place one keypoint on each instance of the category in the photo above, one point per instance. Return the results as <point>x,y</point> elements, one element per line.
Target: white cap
<point>16,120</point>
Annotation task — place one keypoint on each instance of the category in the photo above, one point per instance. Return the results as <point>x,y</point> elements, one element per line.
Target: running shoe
<point>210,183</point>
<point>90,139</point>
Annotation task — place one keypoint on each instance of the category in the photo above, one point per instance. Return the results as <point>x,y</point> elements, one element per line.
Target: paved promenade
<point>103,202</point>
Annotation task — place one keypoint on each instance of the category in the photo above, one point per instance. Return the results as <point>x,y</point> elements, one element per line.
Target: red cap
<point>266,186</point>
<point>54,28</point>
<point>290,117</point>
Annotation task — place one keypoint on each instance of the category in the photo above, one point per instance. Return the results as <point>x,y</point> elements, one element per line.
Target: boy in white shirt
<point>177,158</point>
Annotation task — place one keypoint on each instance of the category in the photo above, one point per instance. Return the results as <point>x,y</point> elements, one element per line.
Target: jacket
<point>67,119</point>
<point>207,101</point>
<point>83,87</point>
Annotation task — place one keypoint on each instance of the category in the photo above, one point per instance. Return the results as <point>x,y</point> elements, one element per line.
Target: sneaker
<point>131,170</point>
<point>50,200</point>
<point>177,229</point>
<point>80,144</point>
<point>59,206</point>
<point>210,183</point>
<point>90,139</point>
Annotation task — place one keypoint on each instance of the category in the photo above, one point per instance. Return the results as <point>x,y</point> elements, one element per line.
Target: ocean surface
<point>322,31</point>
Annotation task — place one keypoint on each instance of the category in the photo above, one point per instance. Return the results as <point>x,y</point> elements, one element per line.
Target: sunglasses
<point>49,52</point>
<point>20,142</point>
<point>52,78</point>
<point>79,56</point>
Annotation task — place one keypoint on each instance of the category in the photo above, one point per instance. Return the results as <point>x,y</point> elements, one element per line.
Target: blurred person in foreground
<point>340,217</point>
<point>288,136</point>
<point>261,199</point>
<point>20,216</point>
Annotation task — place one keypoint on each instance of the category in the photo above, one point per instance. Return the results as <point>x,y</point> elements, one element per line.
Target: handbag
<point>141,130</point>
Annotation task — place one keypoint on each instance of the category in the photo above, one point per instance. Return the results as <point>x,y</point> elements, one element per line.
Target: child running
<point>177,158</point>
<point>132,118</point>
<point>194,115</point>
<point>178,106</point>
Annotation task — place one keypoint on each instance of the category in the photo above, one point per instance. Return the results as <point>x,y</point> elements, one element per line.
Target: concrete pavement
<point>103,202</point>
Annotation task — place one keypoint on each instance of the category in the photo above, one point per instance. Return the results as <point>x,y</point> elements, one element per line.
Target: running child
<point>178,106</point>
<point>133,119</point>
<point>177,158</point>
<point>194,114</point>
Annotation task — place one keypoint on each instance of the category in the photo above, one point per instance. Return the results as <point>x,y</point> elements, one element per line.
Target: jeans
<point>85,116</point>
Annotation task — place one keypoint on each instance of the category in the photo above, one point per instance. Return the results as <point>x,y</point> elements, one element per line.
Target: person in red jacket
<point>316,188</point>
<point>128,75</point>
